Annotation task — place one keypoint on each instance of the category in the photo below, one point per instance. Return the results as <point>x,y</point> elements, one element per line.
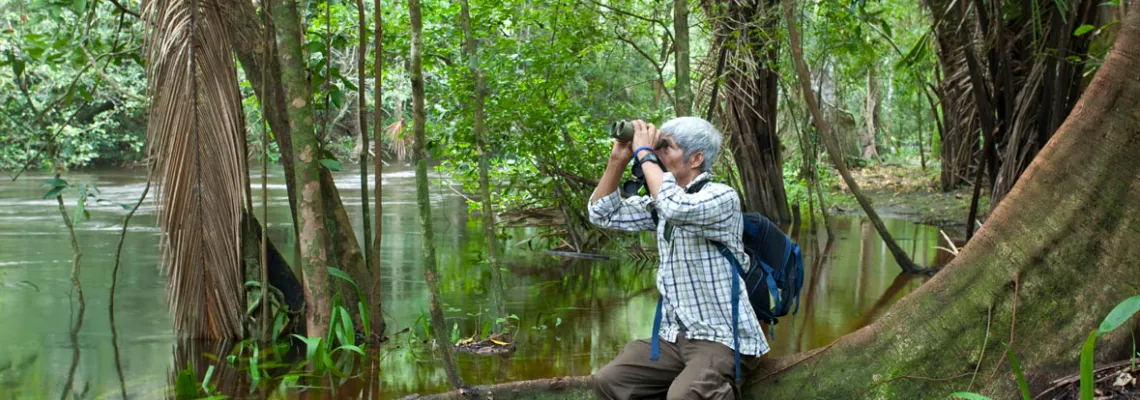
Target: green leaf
<point>558,321</point>
<point>254,371</point>
<point>337,98</point>
<point>1083,29</point>
<point>337,272</point>
<point>514,317</point>
<point>1087,367</point>
<point>79,6</point>
<point>80,205</point>
<point>331,164</point>
<point>347,328</point>
<point>352,348</point>
<point>455,333</point>
<point>206,380</point>
<point>1021,384</point>
<point>18,67</point>
<point>312,344</point>
<point>55,182</point>
<point>186,386</point>
<point>969,396</point>
<point>54,192</point>
<point>1119,315</point>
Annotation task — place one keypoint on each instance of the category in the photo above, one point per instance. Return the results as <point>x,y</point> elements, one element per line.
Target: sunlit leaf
<point>1083,29</point>
<point>1119,315</point>
<point>332,165</point>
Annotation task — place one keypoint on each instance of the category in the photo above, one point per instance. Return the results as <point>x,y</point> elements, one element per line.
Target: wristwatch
<point>651,157</point>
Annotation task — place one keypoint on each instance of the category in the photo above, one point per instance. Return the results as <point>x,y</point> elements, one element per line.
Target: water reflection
<point>574,314</point>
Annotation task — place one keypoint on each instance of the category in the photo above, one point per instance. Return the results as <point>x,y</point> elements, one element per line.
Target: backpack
<point>772,279</point>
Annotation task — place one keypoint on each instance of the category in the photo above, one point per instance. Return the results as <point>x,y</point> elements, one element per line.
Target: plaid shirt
<point>694,278</point>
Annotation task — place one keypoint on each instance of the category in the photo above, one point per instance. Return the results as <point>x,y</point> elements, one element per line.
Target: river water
<point>575,314</point>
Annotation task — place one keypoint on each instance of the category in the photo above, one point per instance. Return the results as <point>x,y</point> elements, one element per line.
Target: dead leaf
<point>499,343</point>
<point>1124,379</point>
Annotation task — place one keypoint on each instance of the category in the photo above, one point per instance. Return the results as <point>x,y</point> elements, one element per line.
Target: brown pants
<point>688,369</point>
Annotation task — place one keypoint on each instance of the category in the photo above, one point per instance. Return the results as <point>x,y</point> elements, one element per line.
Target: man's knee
<point>701,384</point>
<point>605,380</point>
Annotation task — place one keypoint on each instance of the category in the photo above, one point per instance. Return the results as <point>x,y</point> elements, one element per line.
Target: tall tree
<point>832,145</point>
<point>747,28</point>
<point>498,300</point>
<point>423,198</point>
<point>684,96</point>
<point>379,325</point>
<point>249,38</point>
<point>314,236</point>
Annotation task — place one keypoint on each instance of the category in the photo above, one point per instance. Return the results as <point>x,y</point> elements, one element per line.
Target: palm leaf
<point>195,137</point>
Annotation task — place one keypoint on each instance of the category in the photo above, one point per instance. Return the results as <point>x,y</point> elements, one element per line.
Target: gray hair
<point>695,135</point>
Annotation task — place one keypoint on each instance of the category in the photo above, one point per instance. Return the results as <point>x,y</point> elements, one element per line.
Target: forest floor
<point>907,192</point>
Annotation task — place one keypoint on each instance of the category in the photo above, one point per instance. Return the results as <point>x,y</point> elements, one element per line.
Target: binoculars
<point>623,131</point>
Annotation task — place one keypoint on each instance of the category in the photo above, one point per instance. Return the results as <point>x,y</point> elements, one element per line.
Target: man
<point>695,358</point>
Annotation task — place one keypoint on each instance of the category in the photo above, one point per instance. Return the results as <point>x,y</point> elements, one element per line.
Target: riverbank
<point>907,192</point>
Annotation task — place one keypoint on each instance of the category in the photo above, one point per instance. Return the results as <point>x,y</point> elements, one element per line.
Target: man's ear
<point>696,160</point>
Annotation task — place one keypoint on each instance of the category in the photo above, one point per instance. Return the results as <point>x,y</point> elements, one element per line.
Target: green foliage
<point>54,107</point>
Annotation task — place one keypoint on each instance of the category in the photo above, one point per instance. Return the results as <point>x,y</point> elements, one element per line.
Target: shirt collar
<point>704,176</point>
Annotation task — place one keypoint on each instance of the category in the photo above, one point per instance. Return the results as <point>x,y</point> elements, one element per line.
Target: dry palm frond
<point>399,141</point>
<point>195,136</point>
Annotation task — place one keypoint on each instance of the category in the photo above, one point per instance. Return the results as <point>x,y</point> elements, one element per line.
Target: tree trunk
<point>498,299</point>
<point>314,238</point>
<point>957,134</point>
<point>379,326</point>
<point>684,95</point>
<point>423,199</point>
<point>868,150</point>
<point>1073,214</point>
<point>750,88</point>
<point>249,44</point>
<point>832,145</point>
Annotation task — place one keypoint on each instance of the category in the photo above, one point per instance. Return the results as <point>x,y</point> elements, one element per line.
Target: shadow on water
<point>573,315</point>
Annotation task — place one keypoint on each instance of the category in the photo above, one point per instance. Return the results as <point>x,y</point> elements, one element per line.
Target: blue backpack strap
<point>655,341</point>
<point>799,276</point>
<point>735,267</point>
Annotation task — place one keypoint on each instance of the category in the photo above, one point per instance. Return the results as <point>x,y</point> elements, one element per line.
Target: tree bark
<point>314,238</point>
<point>377,121</point>
<point>684,95</point>
<point>498,298</point>
<point>749,90</point>
<point>869,150</point>
<point>423,199</point>
<point>1073,213</point>
<point>957,135</point>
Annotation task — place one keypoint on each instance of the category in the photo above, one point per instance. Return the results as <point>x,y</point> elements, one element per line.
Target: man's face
<point>674,159</point>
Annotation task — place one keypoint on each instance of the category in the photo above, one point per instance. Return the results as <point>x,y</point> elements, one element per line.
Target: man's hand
<point>621,153</point>
<point>645,134</point>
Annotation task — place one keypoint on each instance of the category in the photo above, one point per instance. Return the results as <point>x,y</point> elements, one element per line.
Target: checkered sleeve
<point>631,214</point>
<point>710,212</point>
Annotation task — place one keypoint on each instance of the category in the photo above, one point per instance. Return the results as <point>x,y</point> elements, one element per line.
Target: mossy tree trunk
<point>1054,258</point>
<point>311,212</point>
<point>684,96</point>
<point>423,199</point>
<point>379,326</point>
